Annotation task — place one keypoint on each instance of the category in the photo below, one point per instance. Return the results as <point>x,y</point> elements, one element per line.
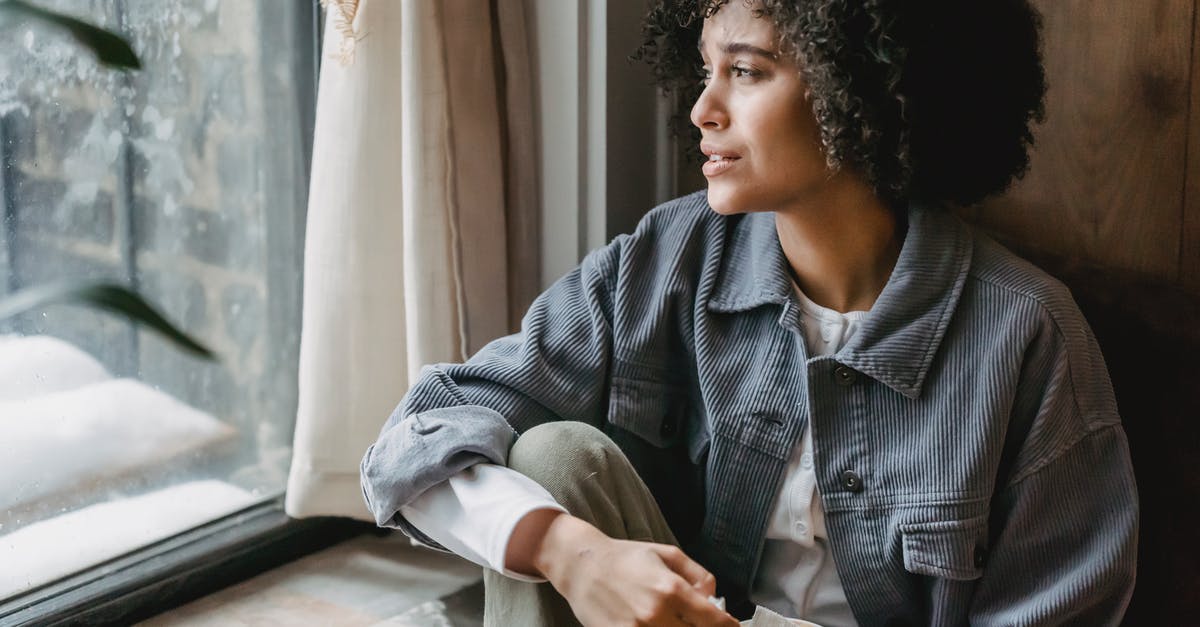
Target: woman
<point>809,387</point>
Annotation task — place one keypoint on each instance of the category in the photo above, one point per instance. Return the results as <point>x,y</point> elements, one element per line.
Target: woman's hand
<point>619,582</point>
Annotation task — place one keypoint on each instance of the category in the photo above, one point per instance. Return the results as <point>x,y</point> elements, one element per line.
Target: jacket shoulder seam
<point>1091,429</point>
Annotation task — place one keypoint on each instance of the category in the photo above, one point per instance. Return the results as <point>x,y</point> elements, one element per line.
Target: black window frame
<point>180,569</point>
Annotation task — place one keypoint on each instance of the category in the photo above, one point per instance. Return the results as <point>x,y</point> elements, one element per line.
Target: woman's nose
<point>708,113</point>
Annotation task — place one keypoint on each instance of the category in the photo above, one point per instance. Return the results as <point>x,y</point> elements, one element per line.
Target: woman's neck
<point>841,244</point>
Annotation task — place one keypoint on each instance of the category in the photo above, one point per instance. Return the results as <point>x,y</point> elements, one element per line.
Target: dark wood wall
<point>1114,181</point>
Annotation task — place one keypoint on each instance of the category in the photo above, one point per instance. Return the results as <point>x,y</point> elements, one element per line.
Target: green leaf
<point>110,49</point>
<point>106,296</point>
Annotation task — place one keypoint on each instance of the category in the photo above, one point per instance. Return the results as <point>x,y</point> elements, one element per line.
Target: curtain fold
<point>522,195</point>
<point>411,215</point>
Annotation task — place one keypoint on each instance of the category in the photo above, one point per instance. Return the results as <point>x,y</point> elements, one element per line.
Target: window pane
<point>187,181</point>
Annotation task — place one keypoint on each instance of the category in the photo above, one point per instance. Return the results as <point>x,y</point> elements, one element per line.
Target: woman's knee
<point>558,454</point>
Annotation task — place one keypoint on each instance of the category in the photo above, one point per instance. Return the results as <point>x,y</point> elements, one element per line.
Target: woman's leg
<point>587,474</point>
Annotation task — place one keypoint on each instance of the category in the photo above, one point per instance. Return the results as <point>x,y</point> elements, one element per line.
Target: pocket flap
<point>952,549</point>
<point>651,410</point>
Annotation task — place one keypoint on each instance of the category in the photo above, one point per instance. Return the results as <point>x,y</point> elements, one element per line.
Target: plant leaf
<point>110,48</point>
<point>107,296</point>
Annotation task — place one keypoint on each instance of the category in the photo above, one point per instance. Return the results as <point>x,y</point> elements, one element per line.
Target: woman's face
<point>757,126</point>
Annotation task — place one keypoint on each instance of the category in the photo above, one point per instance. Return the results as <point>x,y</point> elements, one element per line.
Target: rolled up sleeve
<point>461,437</point>
<point>459,415</point>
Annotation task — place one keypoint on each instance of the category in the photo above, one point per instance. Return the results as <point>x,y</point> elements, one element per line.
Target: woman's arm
<point>616,582</point>
<point>473,514</point>
<point>1064,518</point>
<point>1068,548</point>
<point>459,415</point>
<point>558,368</point>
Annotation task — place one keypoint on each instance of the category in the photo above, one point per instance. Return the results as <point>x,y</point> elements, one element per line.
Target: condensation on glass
<point>186,181</point>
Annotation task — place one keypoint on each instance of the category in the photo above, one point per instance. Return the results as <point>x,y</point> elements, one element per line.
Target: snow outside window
<point>185,180</point>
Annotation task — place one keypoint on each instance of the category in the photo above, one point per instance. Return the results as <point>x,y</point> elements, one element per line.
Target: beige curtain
<point>422,239</point>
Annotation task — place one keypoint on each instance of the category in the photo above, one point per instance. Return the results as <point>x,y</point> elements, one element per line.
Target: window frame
<point>180,569</point>
<point>207,558</point>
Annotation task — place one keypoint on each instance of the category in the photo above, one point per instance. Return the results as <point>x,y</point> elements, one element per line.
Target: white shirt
<point>474,513</point>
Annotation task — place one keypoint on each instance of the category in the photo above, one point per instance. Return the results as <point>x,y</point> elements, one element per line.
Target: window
<point>185,180</point>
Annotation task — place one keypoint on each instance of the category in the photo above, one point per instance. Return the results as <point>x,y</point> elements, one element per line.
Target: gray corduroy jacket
<point>968,451</point>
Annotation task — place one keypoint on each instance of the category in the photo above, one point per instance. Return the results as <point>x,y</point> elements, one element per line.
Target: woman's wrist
<point>525,541</point>
<point>562,540</point>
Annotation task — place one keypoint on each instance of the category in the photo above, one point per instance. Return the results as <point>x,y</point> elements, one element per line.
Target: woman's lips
<point>716,167</point>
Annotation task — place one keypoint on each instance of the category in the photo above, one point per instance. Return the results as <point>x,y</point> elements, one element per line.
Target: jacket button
<point>844,376</point>
<point>980,556</point>
<point>851,481</point>
<point>668,427</point>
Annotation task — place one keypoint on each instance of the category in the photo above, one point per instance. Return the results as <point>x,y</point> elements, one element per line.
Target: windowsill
<point>180,569</point>
<point>367,580</point>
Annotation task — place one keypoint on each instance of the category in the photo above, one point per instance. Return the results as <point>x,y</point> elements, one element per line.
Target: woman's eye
<point>735,71</point>
<point>739,71</point>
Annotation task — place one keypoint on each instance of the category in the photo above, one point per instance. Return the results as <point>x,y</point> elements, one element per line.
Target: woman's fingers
<point>619,582</point>
<point>695,574</point>
<point>690,593</point>
<point>673,601</point>
<point>695,609</point>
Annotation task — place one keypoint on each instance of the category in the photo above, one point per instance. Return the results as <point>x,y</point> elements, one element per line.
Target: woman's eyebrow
<point>738,47</point>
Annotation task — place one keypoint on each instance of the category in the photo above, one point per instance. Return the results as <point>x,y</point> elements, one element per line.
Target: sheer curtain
<point>421,243</point>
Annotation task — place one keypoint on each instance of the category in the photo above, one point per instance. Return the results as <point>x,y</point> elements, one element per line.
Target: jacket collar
<point>898,339</point>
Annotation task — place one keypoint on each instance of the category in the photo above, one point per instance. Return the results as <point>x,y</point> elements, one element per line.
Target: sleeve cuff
<point>474,513</point>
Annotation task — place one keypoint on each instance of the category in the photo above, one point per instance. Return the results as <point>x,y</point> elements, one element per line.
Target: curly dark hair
<point>929,100</point>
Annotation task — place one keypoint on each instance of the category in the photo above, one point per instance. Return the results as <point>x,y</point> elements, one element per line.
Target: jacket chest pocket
<point>652,410</point>
<point>953,549</point>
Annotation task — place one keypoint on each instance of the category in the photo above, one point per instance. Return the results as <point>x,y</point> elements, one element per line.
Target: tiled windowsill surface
<point>365,581</point>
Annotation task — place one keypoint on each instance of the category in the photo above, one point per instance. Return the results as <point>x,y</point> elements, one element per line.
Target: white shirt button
<point>806,461</point>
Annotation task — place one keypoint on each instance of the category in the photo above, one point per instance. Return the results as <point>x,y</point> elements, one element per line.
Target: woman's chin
<point>731,202</point>
<point>724,203</point>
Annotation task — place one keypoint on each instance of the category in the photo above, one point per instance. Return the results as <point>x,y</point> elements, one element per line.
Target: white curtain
<point>410,213</point>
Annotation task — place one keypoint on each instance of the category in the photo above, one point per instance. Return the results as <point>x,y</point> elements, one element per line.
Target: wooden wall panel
<point>1107,174</point>
<point>1190,253</point>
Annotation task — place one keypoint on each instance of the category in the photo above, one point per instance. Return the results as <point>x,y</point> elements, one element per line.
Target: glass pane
<point>185,180</point>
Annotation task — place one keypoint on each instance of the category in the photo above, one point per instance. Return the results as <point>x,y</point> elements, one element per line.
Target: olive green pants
<point>589,476</point>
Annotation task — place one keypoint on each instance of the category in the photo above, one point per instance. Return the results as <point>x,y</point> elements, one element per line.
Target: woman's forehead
<point>735,23</point>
